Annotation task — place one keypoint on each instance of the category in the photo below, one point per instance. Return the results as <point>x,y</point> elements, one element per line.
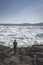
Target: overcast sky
<point>21,11</point>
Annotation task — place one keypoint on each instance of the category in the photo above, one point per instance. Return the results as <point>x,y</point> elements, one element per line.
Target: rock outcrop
<point>24,56</point>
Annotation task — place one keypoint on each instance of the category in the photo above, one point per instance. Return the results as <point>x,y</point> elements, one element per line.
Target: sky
<point>21,11</point>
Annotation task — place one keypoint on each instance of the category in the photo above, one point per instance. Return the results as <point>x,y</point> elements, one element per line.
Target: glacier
<point>25,35</point>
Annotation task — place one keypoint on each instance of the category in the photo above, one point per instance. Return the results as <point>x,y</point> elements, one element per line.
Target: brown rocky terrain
<point>24,56</point>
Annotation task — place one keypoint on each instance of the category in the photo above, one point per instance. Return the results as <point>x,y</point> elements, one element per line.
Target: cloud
<point>23,12</point>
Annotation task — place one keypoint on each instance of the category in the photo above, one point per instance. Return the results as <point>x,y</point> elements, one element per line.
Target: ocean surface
<point>25,35</point>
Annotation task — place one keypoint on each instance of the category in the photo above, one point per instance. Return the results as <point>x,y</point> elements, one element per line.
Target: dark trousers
<point>15,50</point>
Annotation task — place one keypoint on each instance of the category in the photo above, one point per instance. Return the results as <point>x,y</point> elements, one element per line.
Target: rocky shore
<point>24,56</point>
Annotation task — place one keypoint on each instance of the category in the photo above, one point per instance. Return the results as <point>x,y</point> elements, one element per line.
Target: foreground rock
<point>25,56</point>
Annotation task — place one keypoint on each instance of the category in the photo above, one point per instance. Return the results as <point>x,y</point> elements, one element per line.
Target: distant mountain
<point>38,24</point>
<point>23,24</point>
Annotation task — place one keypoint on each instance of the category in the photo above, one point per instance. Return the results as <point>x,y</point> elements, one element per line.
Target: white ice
<point>25,35</point>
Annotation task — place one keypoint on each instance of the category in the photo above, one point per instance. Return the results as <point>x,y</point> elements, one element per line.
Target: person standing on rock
<point>15,46</point>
